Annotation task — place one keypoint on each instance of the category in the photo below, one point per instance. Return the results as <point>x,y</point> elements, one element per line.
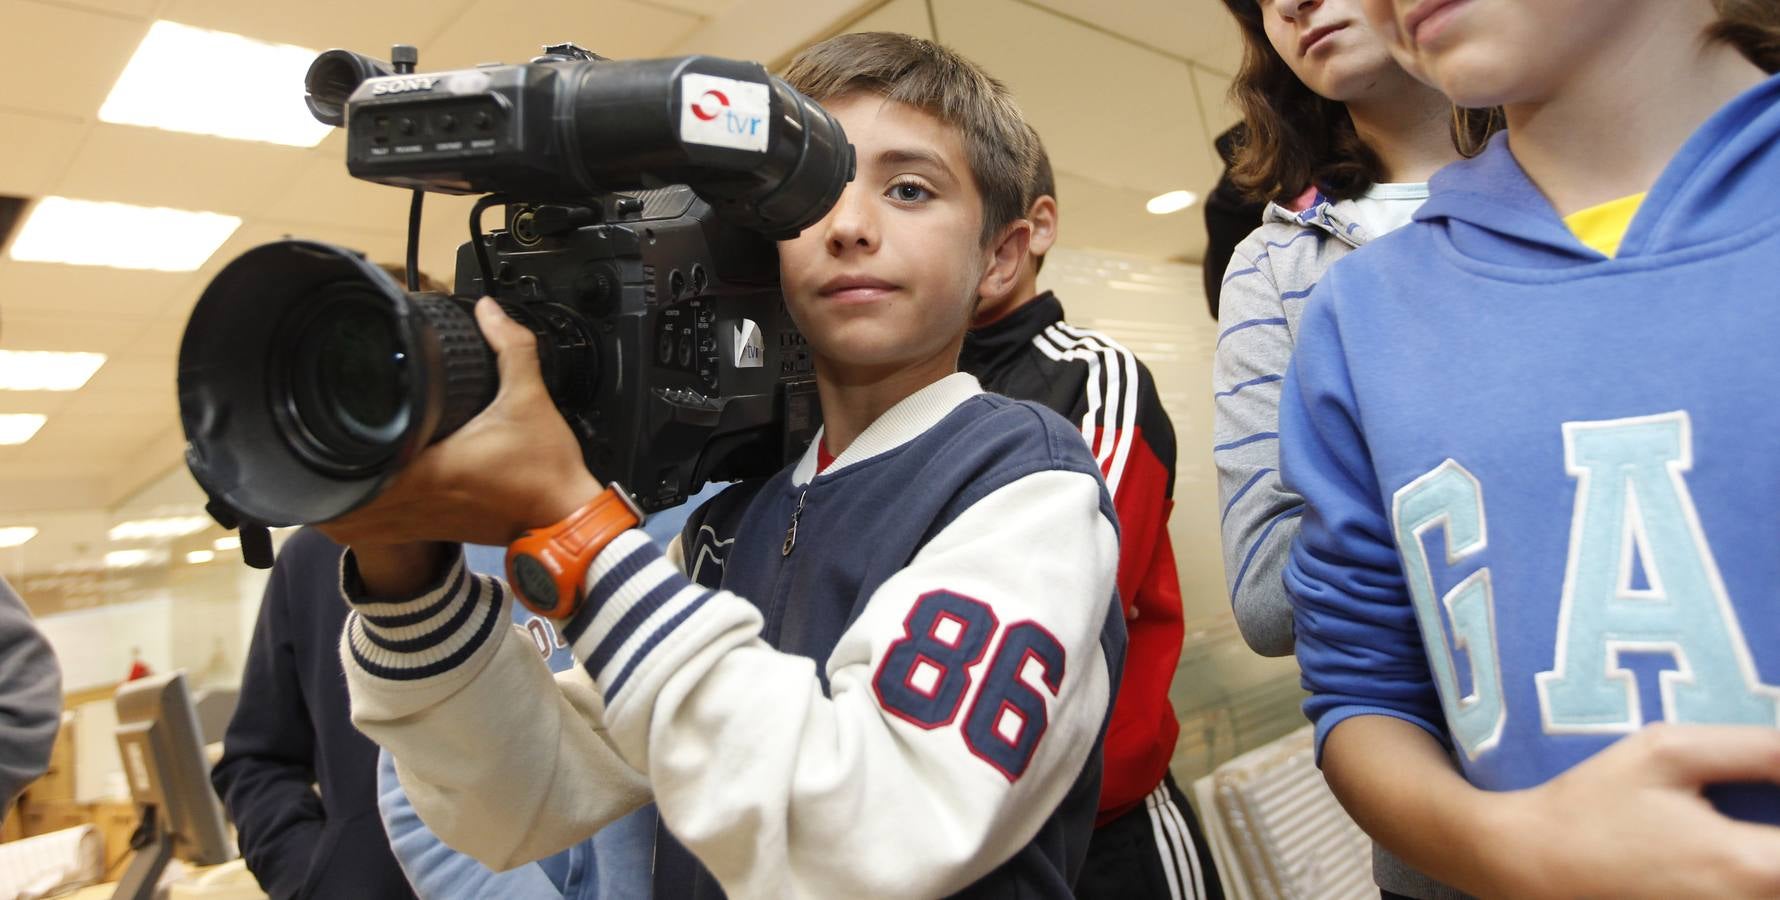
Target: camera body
<point>691,369</point>
<point>642,200</point>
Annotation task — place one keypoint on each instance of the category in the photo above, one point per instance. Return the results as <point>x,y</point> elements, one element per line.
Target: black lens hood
<point>239,444</point>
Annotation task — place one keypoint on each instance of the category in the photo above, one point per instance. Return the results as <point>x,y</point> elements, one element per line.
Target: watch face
<point>534,584</point>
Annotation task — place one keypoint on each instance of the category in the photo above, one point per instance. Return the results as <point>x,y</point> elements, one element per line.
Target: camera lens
<point>346,380</point>
<point>358,372</point>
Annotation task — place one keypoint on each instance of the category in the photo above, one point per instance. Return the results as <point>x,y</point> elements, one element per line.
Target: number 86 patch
<point>926,675</point>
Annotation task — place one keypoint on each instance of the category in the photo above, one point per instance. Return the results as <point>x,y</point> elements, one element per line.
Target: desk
<point>228,881</point>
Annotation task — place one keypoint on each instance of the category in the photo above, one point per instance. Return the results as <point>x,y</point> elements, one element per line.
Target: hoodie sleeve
<point>1259,515</point>
<point>30,698</point>
<point>1358,644</point>
<point>436,870</point>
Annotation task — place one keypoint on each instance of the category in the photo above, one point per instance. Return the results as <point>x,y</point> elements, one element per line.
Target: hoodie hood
<point>1339,218</point>
<point>1719,183</point>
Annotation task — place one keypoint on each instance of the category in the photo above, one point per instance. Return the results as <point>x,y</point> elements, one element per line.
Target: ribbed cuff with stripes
<point>425,635</point>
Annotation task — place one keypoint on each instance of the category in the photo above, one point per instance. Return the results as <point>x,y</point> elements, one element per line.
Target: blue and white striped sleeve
<point>500,759</point>
<point>1259,517</point>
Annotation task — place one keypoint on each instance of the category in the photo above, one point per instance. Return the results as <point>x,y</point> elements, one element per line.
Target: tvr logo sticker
<point>724,112</point>
<point>750,347</point>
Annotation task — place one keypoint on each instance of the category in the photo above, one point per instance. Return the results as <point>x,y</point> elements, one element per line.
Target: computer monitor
<point>163,754</point>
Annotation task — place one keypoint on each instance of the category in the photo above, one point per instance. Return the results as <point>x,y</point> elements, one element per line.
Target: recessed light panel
<point>90,233</point>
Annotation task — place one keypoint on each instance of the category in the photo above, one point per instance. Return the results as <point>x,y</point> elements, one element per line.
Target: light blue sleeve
<point>438,872</point>
<point>1358,642</point>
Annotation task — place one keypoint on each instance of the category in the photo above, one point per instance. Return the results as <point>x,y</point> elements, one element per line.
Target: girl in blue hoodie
<point>1535,432</point>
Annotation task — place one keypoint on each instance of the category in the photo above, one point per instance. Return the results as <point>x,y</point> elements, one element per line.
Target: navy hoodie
<point>292,729</point>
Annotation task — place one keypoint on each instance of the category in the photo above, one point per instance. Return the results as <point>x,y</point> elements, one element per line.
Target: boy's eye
<point>908,192</point>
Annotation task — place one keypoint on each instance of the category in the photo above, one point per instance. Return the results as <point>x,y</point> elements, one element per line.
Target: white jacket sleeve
<point>501,760</point>
<point>963,703</point>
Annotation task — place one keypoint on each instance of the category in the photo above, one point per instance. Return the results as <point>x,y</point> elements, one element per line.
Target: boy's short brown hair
<point>939,82</point>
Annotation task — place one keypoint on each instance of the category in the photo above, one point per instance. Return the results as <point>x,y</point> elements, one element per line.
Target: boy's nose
<point>851,225</point>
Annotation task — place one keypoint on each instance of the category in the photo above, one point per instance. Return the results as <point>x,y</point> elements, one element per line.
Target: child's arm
<point>1629,821</point>
<point>1259,516</point>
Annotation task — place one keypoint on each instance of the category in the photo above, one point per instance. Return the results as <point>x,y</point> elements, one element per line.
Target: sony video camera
<point>641,200</point>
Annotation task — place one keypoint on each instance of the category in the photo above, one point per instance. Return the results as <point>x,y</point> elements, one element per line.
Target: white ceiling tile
<point>43,403</point>
<point>513,31</point>
<point>905,16</point>
<point>1199,30</point>
<point>1214,101</point>
<point>695,7</point>
<point>1103,105</point>
<point>81,438</point>
<point>151,167</point>
<point>322,193</point>
<point>39,330</point>
<point>61,61</point>
<point>769,31</point>
<point>35,152</point>
<point>1096,216</point>
<point>117,293</point>
<point>368,28</point>
<point>136,9</point>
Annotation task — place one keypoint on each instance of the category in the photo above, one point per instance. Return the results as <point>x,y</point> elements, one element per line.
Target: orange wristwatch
<point>546,566</point>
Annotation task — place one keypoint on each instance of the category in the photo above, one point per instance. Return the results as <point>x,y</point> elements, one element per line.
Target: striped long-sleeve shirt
<point>1265,289</point>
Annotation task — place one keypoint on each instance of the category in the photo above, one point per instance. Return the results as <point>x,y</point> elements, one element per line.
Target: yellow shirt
<point>1603,227</point>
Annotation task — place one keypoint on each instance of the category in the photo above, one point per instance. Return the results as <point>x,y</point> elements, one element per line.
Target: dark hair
<point>1296,138</point>
<point>943,84</point>
<point>1751,26</point>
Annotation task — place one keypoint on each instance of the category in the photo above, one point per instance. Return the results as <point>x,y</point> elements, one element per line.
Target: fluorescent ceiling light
<point>46,370</point>
<point>198,557</point>
<point>1171,202</point>
<point>17,428</point>
<point>90,233</point>
<point>159,529</point>
<point>15,535</point>
<point>216,83</point>
<point>129,559</point>
<point>232,542</point>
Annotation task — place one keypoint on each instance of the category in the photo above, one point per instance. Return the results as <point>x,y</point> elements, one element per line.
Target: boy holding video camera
<point>884,671</point>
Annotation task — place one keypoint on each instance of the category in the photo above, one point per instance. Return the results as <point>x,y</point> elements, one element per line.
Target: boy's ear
<point>1007,250</point>
<point>1043,216</point>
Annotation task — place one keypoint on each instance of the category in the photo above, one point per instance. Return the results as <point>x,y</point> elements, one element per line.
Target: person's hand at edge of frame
<point>1631,821</point>
<point>514,466</point>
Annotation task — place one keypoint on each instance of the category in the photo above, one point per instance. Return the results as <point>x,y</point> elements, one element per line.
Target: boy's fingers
<point>515,347</point>
<point>1695,755</point>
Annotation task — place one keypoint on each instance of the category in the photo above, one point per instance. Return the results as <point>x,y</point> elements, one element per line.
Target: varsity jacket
<point>1106,392</point>
<point>890,679</point>
<point>1539,482</point>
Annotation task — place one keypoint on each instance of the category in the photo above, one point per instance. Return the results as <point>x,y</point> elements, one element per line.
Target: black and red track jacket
<point>1099,385</point>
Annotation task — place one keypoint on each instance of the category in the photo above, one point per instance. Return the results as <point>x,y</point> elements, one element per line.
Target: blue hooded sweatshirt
<point>1541,484</point>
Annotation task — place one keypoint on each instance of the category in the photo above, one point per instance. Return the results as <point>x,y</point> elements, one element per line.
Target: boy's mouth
<point>855,289</point>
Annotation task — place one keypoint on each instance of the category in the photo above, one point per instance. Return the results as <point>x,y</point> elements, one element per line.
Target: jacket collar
<point>987,348</point>
<point>908,419</point>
